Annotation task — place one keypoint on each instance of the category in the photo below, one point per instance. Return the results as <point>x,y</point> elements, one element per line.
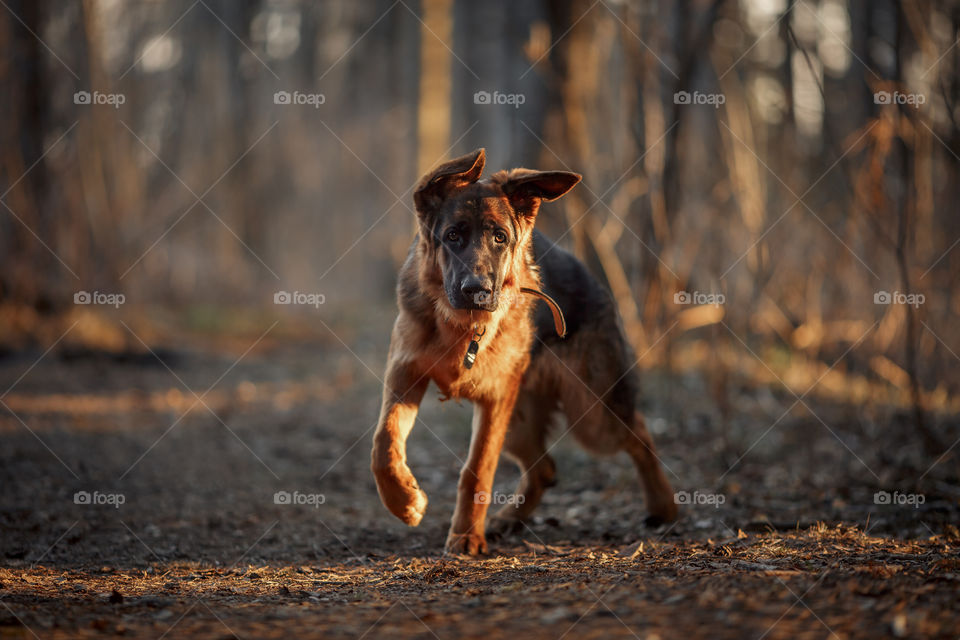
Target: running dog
<point>492,311</point>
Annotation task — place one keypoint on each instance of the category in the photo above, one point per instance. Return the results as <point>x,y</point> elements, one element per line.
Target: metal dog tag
<point>471,356</point>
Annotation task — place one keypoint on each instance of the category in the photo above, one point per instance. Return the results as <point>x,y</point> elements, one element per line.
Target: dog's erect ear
<point>434,187</point>
<point>526,189</point>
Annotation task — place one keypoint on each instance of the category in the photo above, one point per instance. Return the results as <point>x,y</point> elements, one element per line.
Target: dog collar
<point>559,324</point>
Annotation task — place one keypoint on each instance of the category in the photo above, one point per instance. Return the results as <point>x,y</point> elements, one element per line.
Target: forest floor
<point>182,536</point>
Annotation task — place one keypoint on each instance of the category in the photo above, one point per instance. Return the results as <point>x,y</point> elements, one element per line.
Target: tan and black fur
<point>476,248</point>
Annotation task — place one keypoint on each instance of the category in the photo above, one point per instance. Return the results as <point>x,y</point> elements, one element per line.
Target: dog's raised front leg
<point>402,392</point>
<point>490,421</point>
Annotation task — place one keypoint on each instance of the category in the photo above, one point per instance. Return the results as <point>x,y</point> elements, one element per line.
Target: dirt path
<point>183,536</point>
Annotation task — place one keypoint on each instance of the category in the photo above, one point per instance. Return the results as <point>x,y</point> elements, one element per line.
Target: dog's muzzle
<point>476,293</point>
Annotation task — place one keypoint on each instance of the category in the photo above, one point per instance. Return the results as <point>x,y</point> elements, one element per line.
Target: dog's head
<point>479,230</point>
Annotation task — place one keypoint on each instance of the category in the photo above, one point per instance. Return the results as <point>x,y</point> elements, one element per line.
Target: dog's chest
<point>494,361</point>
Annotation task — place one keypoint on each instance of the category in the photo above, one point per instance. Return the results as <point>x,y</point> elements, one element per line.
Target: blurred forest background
<point>798,194</point>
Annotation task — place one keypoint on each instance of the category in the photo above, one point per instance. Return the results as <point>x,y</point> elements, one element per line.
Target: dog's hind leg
<point>604,420</point>
<point>526,446</point>
<point>661,505</point>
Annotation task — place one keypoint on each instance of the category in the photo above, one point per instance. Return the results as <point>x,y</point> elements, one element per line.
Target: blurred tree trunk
<point>490,42</point>
<point>906,217</point>
<point>28,270</point>
<point>433,121</point>
<point>238,135</point>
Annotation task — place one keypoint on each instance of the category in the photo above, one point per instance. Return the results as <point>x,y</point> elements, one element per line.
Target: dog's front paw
<point>402,495</point>
<point>415,508</point>
<point>471,544</point>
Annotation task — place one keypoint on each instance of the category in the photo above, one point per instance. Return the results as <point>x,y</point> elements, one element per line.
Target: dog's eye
<point>453,236</point>
<point>499,236</point>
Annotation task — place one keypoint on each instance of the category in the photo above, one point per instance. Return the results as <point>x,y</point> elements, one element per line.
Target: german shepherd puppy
<point>467,322</point>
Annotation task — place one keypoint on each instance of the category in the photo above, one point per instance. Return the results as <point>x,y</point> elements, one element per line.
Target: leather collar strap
<point>559,323</point>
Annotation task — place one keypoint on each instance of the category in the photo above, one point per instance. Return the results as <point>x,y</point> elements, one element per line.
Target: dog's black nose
<point>476,289</point>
